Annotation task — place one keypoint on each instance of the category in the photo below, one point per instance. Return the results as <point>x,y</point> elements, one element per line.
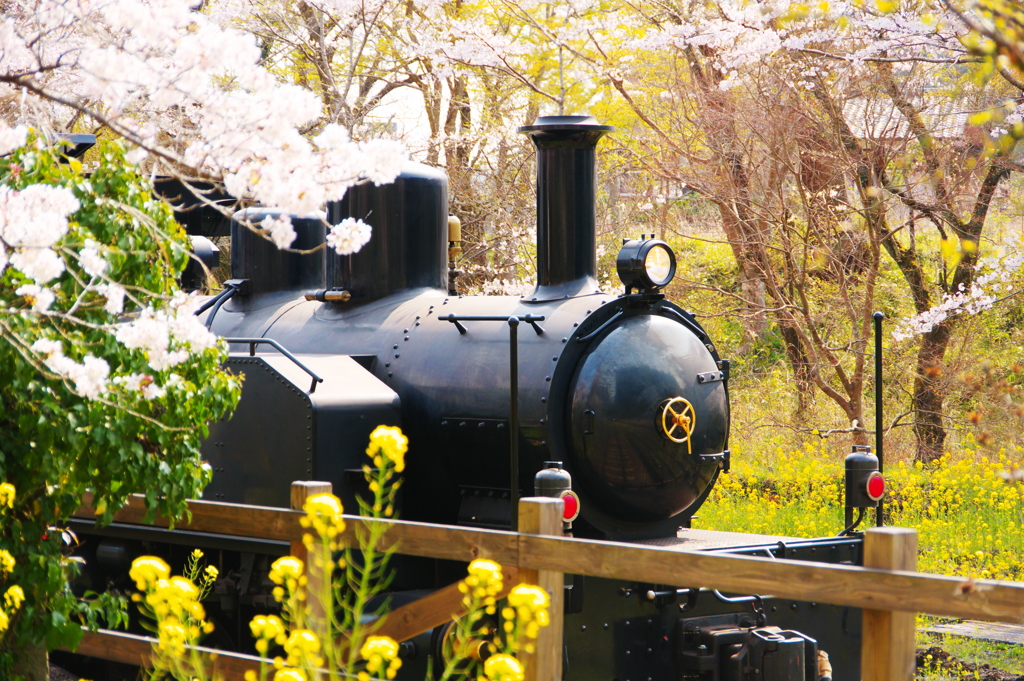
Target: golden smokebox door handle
<point>677,420</point>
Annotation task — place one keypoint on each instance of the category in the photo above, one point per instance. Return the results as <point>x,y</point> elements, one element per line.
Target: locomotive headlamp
<point>645,264</point>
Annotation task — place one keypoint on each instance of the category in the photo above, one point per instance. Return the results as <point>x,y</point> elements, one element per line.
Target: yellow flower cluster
<point>527,608</point>
<point>267,628</point>
<point>7,494</point>
<point>303,646</point>
<point>14,597</point>
<point>6,562</point>
<point>502,668</point>
<point>482,585</point>
<point>323,515</point>
<point>389,443</point>
<point>172,636</point>
<point>287,572</point>
<point>13,600</point>
<point>147,571</point>
<point>177,597</point>
<point>381,655</point>
<point>289,675</point>
<point>174,602</point>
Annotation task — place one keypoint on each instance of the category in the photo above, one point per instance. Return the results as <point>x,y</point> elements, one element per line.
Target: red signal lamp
<point>571,505</point>
<point>875,486</point>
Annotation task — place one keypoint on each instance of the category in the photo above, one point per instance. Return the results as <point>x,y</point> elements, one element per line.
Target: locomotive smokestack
<point>566,184</point>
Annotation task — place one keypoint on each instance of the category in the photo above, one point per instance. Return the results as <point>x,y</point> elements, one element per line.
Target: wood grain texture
<point>543,516</point>
<point>131,649</point>
<point>431,611</point>
<point>836,584</point>
<point>300,491</point>
<point>262,522</point>
<point>889,637</point>
<point>981,599</point>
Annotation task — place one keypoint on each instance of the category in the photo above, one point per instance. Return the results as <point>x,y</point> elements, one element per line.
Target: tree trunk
<point>32,663</point>
<point>929,393</point>
<point>801,366</point>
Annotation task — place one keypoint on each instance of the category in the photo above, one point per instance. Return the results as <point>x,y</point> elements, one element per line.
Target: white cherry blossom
<point>348,236</point>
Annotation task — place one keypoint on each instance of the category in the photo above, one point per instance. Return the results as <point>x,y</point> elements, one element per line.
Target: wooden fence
<point>887,587</point>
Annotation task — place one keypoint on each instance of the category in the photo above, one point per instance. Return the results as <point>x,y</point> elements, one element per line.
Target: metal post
<point>513,416</point>
<point>878,316</point>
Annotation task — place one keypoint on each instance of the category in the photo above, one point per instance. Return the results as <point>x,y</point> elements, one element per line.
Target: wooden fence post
<point>888,642</point>
<point>302,490</point>
<point>543,515</point>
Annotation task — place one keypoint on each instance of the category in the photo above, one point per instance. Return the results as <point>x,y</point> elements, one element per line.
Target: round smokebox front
<point>639,419</point>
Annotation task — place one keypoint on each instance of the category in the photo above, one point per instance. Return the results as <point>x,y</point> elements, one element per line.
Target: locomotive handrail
<point>457,320</point>
<point>253,342</point>
<point>688,323</point>
<point>618,313</point>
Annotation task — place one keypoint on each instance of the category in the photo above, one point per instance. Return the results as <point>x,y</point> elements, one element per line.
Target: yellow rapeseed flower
<point>302,644</point>
<point>323,514</point>
<point>503,668</point>
<point>14,597</point>
<point>380,649</point>
<point>285,569</point>
<point>267,628</point>
<point>7,494</point>
<point>6,562</point>
<point>172,636</point>
<point>391,443</point>
<point>147,571</point>
<point>289,675</point>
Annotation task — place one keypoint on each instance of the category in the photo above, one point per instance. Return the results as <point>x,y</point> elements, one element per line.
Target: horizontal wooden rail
<point>796,580</point>
<point>117,646</point>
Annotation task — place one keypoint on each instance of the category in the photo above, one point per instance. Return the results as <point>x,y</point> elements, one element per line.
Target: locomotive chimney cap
<point>566,124</point>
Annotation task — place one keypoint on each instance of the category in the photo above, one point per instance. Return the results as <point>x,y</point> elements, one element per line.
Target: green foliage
<point>55,443</point>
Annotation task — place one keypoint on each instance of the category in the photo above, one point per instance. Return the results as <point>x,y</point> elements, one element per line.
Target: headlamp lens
<point>658,265</point>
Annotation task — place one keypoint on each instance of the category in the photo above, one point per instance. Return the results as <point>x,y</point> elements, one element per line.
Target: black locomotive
<point>627,393</point>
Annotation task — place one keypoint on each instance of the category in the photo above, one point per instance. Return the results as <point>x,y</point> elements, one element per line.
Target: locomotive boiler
<point>625,392</point>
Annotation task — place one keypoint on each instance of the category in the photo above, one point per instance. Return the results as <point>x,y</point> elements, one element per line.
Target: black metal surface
<point>190,211</point>
<point>622,458</point>
<point>205,257</point>
<point>269,268</point>
<point>551,480</point>
<point>621,634</point>
<point>409,244</point>
<point>441,374</point>
<point>281,433</point>
<point>879,412</point>
<point>76,144</point>
<point>566,181</point>
<point>631,265</point>
<point>253,342</point>
<point>860,464</point>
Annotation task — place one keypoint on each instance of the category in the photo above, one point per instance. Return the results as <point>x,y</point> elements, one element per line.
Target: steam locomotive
<point>626,395</point>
